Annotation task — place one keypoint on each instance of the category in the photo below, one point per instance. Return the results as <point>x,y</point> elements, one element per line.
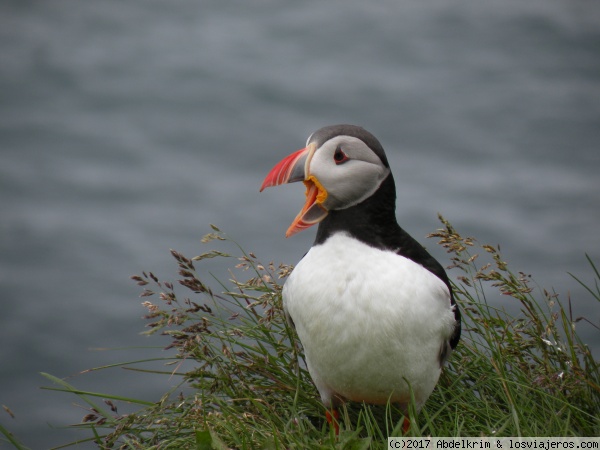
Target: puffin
<point>373,310</point>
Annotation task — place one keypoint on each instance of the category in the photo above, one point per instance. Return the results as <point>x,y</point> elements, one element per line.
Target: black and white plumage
<point>372,308</point>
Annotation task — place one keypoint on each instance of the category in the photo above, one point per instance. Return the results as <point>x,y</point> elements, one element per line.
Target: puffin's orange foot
<point>405,425</point>
<point>333,418</point>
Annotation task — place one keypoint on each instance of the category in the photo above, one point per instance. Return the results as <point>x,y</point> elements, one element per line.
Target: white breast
<point>369,321</point>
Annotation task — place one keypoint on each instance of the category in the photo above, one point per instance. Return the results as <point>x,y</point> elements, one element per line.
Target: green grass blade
<point>66,387</point>
<point>12,439</point>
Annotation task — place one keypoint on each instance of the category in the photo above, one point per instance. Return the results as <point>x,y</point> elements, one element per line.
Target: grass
<point>247,387</point>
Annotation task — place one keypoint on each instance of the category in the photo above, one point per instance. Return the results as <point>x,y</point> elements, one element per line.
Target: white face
<point>348,170</point>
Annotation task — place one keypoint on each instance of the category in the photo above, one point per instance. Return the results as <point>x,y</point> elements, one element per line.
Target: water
<point>127,127</point>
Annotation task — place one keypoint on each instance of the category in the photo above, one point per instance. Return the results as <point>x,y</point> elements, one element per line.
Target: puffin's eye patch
<point>339,156</point>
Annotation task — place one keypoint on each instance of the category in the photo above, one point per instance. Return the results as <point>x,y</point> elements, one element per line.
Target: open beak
<point>296,168</point>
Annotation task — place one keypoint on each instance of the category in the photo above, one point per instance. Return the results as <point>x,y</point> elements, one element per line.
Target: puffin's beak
<point>296,168</point>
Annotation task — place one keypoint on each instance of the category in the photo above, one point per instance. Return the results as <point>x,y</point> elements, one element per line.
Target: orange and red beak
<point>291,169</point>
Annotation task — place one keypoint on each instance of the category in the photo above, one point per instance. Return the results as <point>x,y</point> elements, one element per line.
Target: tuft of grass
<point>247,387</point>
<point>513,375</point>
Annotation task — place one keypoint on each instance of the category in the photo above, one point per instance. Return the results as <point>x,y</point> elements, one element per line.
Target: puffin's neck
<point>371,221</point>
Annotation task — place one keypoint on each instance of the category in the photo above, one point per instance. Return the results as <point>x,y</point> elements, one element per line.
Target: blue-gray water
<point>127,127</point>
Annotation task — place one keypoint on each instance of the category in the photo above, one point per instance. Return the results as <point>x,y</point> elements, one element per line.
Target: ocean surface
<point>126,128</point>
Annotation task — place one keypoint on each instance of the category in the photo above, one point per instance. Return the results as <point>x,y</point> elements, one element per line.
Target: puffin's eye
<point>339,156</point>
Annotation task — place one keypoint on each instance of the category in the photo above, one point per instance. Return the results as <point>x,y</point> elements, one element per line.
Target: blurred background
<point>126,128</point>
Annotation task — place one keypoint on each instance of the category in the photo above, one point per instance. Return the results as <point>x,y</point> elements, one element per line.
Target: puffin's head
<point>341,166</point>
